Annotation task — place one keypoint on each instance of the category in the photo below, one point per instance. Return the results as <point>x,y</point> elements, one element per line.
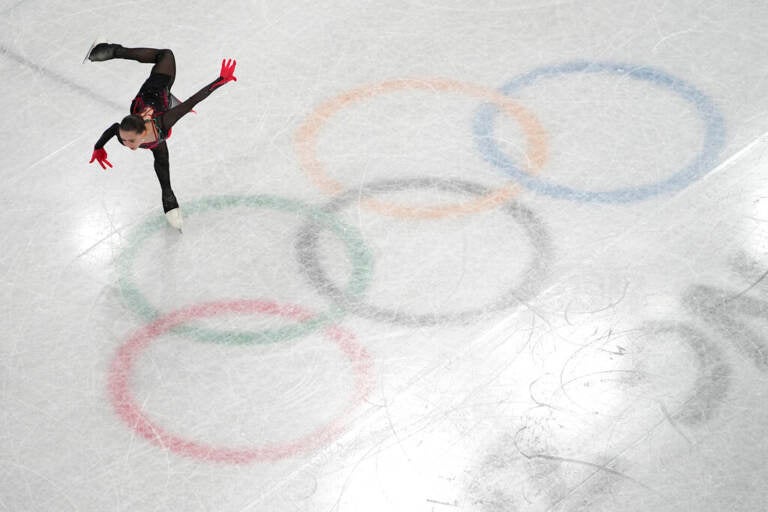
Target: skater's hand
<point>100,155</point>
<point>227,73</point>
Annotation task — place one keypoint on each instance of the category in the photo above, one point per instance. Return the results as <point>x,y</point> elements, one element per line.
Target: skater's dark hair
<point>132,124</point>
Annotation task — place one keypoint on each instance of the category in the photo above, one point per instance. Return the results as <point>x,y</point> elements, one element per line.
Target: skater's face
<point>132,139</point>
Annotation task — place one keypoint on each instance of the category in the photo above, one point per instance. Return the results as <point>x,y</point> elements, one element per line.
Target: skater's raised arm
<point>168,119</point>
<point>99,153</point>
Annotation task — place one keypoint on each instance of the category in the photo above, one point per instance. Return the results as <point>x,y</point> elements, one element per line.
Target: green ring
<point>357,251</point>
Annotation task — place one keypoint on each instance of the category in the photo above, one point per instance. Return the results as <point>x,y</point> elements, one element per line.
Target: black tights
<point>163,60</point>
<point>164,177</point>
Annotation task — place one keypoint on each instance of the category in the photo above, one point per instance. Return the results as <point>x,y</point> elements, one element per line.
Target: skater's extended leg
<point>163,60</point>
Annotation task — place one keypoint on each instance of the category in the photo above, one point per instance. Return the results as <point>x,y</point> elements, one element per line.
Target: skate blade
<point>174,219</point>
<point>93,44</point>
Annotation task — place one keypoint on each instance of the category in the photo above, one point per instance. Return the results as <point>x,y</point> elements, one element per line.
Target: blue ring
<point>714,138</point>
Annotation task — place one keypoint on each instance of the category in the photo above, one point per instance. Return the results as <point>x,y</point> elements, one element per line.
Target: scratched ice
<point>477,256</point>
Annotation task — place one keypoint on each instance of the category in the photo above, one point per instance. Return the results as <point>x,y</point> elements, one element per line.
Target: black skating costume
<point>155,99</point>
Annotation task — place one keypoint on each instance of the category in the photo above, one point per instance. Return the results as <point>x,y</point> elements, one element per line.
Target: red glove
<point>100,155</point>
<point>226,74</point>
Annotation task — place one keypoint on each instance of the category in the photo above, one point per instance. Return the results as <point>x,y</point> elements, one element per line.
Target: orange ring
<point>306,136</point>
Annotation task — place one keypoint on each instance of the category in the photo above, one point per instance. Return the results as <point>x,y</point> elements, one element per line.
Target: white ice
<point>314,340</point>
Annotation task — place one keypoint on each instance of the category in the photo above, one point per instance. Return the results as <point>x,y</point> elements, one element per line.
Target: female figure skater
<point>154,111</point>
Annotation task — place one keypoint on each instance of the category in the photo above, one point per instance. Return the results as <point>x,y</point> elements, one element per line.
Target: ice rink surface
<point>437,256</point>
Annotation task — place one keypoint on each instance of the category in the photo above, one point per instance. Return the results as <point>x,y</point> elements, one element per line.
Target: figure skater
<point>154,111</point>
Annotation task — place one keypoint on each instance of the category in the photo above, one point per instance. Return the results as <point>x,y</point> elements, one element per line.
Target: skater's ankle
<point>119,51</point>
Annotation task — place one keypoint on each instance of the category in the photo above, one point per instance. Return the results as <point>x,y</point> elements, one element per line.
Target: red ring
<point>127,408</point>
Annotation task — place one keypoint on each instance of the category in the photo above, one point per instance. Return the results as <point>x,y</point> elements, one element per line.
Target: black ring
<point>534,277</point>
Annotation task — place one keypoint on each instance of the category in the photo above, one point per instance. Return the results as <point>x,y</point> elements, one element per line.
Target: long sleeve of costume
<point>110,132</point>
<point>169,118</point>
